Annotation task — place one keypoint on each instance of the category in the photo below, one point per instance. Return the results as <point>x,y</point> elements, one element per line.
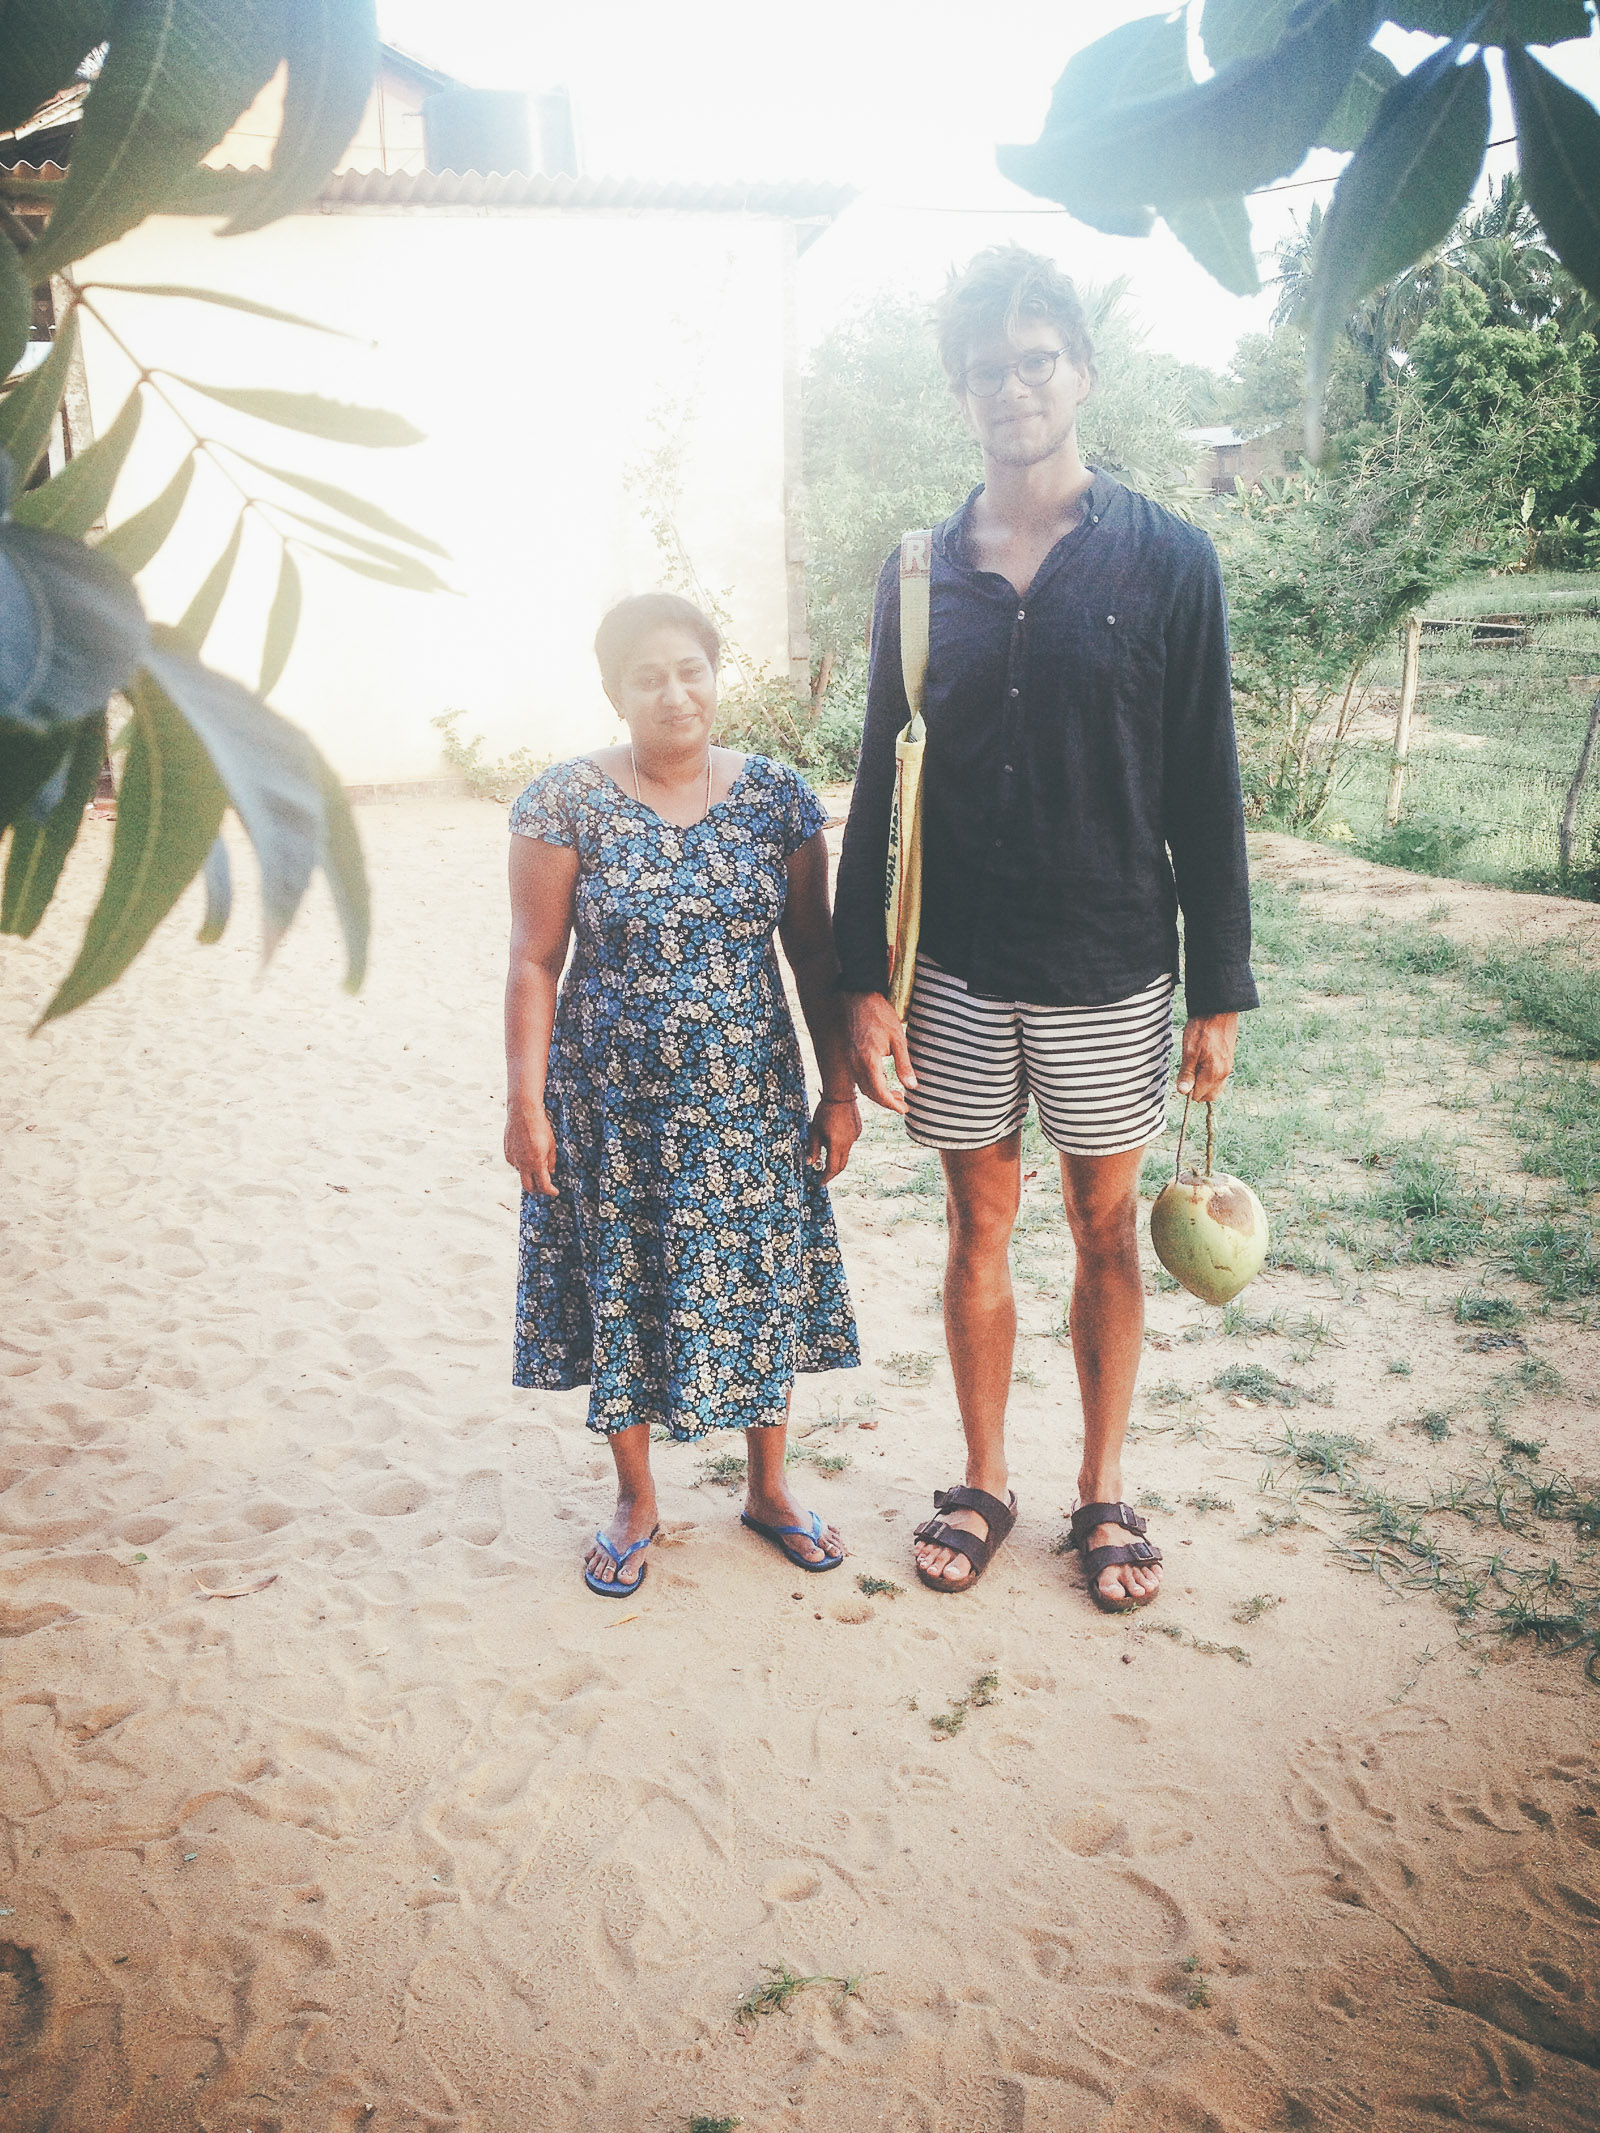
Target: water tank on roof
<point>485,130</point>
<point>558,144</point>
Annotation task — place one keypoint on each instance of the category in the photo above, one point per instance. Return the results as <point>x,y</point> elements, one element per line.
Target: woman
<point>678,1248</point>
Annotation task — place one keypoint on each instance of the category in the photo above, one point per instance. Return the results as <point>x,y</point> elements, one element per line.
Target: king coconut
<point>1209,1231</point>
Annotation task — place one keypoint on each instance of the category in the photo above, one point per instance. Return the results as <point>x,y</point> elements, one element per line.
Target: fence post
<point>1569,814</point>
<point>1402,721</point>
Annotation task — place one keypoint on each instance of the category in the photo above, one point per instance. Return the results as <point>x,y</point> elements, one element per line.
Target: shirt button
<point>1095,519</point>
<point>1016,692</point>
<point>1022,614</point>
<point>1009,771</point>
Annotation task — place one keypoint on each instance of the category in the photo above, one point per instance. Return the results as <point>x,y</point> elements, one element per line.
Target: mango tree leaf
<point>269,770</point>
<point>169,809</point>
<point>72,501</point>
<point>219,894</point>
<point>356,507</point>
<point>405,572</point>
<point>132,544</point>
<point>282,623</point>
<point>93,631</point>
<point>177,75</point>
<point>1236,29</point>
<point>229,302</point>
<point>1371,82</point>
<point>336,419</point>
<point>39,848</point>
<point>1130,64</point>
<point>29,409</point>
<point>1528,21</point>
<point>339,855</point>
<point>45,42</point>
<point>28,763</point>
<point>16,307</point>
<point>417,573</point>
<point>1217,233</point>
<point>1246,126</point>
<point>1558,137</point>
<point>332,50</point>
<point>1397,196</point>
<point>193,626</point>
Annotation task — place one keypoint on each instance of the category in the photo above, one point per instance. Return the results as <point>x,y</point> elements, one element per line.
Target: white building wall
<point>575,373</point>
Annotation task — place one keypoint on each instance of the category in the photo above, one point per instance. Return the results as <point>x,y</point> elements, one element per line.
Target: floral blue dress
<point>690,1266</point>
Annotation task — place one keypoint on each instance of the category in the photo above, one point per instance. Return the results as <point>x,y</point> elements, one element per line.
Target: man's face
<point>1022,424</point>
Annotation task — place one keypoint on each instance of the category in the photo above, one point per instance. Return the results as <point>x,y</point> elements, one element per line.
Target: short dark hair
<point>622,626</point>
<point>994,293</point>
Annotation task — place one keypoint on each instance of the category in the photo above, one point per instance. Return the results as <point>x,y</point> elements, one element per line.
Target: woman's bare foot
<point>777,1506</point>
<point>633,1519</point>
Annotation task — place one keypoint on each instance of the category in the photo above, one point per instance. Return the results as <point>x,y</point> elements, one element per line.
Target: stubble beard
<point>1007,449</point>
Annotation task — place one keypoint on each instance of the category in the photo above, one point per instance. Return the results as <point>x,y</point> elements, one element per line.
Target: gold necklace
<point>639,796</point>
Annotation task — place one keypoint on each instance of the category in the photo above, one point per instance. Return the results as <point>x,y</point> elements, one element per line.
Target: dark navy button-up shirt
<point>1081,780</point>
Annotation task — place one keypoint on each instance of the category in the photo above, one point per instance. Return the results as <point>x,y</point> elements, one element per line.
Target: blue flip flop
<point>812,1533</point>
<point>614,1588</point>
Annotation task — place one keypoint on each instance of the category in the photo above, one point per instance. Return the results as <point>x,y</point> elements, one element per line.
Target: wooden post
<point>1402,721</point>
<point>1569,814</point>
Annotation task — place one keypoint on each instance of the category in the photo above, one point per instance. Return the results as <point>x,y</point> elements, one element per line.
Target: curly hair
<point>997,291</point>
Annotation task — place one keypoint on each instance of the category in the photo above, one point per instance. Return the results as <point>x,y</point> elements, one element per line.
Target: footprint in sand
<point>479,1516</point>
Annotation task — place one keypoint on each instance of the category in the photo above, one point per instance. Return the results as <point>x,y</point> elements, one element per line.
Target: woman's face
<point>667,692</point>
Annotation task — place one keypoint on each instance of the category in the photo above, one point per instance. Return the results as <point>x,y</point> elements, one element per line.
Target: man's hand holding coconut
<point>1080,786</point>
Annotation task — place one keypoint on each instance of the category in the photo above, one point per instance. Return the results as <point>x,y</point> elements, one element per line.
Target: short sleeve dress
<point>690,1267</point>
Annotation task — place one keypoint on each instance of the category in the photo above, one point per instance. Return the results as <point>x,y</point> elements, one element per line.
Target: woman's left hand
<point>835,1129</point>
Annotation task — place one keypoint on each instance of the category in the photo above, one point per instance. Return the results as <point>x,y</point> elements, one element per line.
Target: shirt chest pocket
<point>1115,659</point>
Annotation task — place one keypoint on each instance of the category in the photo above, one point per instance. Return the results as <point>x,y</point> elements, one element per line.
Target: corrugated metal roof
<point>796,202</point>
<point>448,188</point>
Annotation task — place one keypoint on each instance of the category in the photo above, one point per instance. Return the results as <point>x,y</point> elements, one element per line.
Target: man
<point>1080,785</point>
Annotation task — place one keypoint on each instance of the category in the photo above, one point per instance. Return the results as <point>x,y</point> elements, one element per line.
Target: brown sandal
<point>978,1548</point>
<point>1140,1551</point>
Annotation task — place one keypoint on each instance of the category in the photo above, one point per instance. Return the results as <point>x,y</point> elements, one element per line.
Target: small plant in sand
<point>1199,1992</point>
<point>1025,1374</point>
<point>1203,1500</point>
<point>1258,1604</point>
<point>702,2123</point>
<point>984,1690</point>
<point>878,1588</point>
<point>1433,1423</point>
<point>1239,1322</point>
<point>1325,1451</point>
<point>910,1367</point>
<point>1264,1388</point>
<point>1169,1393</point>
<point>780,1985</point>
<point>725,1469</point>
<point>1153,1500</point>
<point>1399,1367</point>
<point>830,1464</point>
<point>1497,1311</point>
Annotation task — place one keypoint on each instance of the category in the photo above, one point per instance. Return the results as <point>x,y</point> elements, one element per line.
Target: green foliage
<point>1512,399</point>
<point>1427,844</point>
<point>501,780</point>
<point>1129,134</point>
<point>173,80</point>
<point>780,1985</point>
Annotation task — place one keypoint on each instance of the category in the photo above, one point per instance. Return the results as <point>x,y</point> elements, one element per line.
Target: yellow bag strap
<point>916,564</point>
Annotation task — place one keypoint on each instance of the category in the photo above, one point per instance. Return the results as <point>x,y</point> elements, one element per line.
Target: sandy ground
<point>419,1835</point>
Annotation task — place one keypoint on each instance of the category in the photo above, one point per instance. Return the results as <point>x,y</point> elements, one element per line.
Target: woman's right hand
<point>531,1149</point>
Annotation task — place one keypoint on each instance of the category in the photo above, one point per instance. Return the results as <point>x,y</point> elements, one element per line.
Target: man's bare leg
<point>1101,1193</point>
<point>983,1189</point>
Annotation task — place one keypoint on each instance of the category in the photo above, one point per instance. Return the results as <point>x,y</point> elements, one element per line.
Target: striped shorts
<point>1098,1074</point>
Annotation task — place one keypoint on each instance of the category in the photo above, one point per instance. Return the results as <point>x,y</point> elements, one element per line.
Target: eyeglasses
<point>1037,367</point>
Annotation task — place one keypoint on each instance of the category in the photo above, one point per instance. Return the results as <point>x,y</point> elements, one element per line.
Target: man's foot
<point>782,1508</point>
<point>632,1521</point>
<point>948,1563</point>
<point>1118,1585</point>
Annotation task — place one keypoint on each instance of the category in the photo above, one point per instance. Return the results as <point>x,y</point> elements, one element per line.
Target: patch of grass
<point>910,1367</point>
<point>984,1690</point>
<point>925,1182</point>
<point>1398,1367</point>
<point>1325,1451</point>
<point>1254,1381</point>
<point>1203,1500</point>
<point>1153,1500</point>
<point>1026,1375</point>
<point>828,1464</point>
<point>1433,1423</point>
<point>700,2123</point>
<point>1497,1311</point>
<point>1199,1992</point>
<point>724,1469</point>
<point>780,1985</point>
<point>1169,1393</point>
<point>1258,1604</point>
<point>1561,1258</point>
<point>1239,1322</point>
<point>877,1588</point>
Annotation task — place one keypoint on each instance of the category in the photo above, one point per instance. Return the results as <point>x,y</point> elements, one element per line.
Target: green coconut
<point>1210,1233</point>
